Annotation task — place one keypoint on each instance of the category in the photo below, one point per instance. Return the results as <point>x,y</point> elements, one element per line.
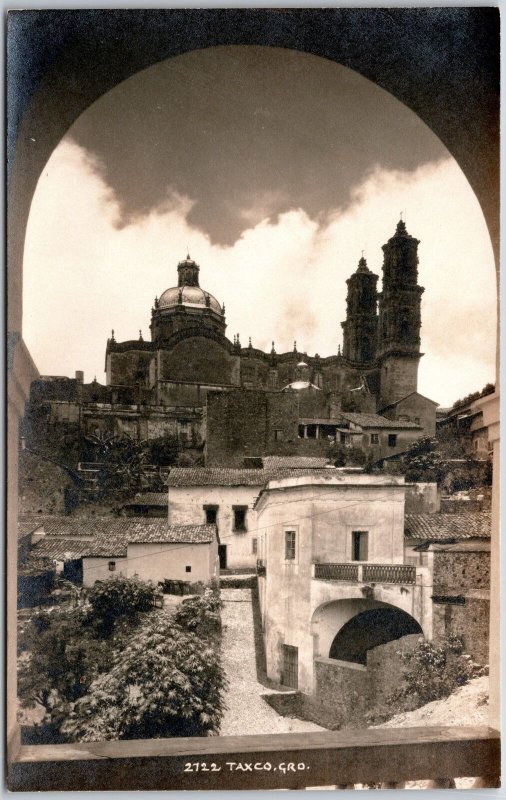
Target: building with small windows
<point>225,498</point>
<point>87,549</point>
<point>333,578</point>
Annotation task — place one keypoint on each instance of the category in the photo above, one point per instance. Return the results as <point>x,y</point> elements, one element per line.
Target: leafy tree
<point>164,450</point>
<point>119,597</point>
<point>201,615</point>
<point>62,657</point>
<point>342,456</point>
<point>424,461</point>
<point>165,682</point>
<point>433,671</point>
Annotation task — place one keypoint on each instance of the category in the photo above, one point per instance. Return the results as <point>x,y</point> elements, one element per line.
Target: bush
<point>62,658</point>
<point>201,615</point>
<point>432,672</point>
<point>119,597</point>
<point>165,682</point>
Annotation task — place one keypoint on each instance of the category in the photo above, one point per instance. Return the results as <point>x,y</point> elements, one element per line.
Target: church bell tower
<point>399,324</point>
<point>361,326</point>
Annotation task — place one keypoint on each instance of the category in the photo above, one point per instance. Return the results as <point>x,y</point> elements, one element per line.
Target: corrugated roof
<point>376,421</point>
<point>467,525</point>
<point>218,476</point>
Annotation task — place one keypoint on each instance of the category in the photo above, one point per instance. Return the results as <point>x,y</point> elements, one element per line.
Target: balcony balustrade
<point>366,573</point>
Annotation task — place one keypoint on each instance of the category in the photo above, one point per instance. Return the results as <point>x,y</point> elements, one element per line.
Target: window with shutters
<point>290,545</point>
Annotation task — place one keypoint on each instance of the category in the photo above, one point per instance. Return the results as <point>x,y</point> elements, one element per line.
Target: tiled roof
<point>218,476</point>
<point>376,421</point>
<point>294,462</point>
<point>148,499</point>
<point>59,547</point>
<point>116,545</point>
<point>448,526</point>
<point>28,525</point>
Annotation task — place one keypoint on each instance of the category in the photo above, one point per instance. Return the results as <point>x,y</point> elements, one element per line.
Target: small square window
<point>211,514</point>
<point>278,435</point>
<point>254,546</point>
<point>417,420</point>
<point>112,566</point>
<point>240,518</point>
<point>374,438</point>
<point>359,545</point>
<point>392,440</point>
<point>290,541</point>
<point>188,569</point>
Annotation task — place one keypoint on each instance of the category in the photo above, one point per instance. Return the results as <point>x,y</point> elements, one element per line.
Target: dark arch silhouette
<point>370,629</point>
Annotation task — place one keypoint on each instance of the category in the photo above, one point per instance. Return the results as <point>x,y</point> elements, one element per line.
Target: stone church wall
<point>198,359</point>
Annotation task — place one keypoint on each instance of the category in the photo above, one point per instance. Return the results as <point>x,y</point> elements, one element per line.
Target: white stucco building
<point>333,582</point>
<point>225,498</point>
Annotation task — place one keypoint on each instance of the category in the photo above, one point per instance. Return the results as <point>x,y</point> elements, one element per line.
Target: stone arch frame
<point>347,644</point>
<point>329,617</point>
<point>61,61</point>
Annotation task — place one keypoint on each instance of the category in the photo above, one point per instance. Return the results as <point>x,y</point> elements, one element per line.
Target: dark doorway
<point>370,629</point>
<point>290,673</point>
<point>222,554</point>
<point>73,570</point>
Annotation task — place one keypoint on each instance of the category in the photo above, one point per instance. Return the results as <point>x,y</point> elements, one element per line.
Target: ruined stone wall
<point>244,423</point>
<point>346,693</point>
<point>468,622</point>
<point>461,571</point>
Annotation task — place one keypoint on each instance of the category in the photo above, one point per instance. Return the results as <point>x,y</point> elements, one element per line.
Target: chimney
<point>37,535</point>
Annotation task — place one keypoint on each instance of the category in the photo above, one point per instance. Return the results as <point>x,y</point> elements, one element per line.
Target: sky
<point>274,169</point>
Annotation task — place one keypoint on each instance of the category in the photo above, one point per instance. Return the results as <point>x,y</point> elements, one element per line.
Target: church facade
<point>167,384</point>
<point>189,346</point>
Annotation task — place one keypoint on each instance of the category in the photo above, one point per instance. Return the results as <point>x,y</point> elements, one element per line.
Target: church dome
<point>192,296</point>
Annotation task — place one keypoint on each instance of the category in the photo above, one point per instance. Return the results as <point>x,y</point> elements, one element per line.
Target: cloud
<point>283,279</point>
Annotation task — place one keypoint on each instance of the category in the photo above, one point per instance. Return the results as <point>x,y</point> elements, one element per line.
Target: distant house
<point>100,547</point>
<point>225,498</point>
<point>146,504</point>
<point>155,552</point>
<point>456,550</point>
<point>414,407</point>
<point>375,434</point>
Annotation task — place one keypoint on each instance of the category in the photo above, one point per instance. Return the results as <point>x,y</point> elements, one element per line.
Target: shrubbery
<point>119,597</point>
<point>433,671</point>
<point>118,668</point>
<point>165,682</point>
<point>200,615</point>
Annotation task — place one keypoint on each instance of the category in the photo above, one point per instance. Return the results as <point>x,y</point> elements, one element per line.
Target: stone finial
<point>140,336</point>
<point>273,350</point>
<point>208,300</point>
<point>223,309</point>
<point>112,336</point>
<point>157,302</point>
<point>401,227</point>
<point>295,347</point>
<point>339,350</point>
<point>250,345</point>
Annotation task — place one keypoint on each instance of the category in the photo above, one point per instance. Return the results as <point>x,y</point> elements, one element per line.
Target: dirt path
<point>247,713</point>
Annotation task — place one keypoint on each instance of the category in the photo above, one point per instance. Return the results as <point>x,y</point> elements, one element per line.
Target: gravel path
<point>247,713</point>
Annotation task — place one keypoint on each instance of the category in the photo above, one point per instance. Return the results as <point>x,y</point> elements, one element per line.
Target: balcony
<point>366,573</point>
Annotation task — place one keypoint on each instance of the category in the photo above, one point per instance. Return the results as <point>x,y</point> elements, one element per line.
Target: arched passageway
<point>369,629</point>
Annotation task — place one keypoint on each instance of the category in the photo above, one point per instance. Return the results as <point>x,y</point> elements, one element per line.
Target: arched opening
<point>369,629</point>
